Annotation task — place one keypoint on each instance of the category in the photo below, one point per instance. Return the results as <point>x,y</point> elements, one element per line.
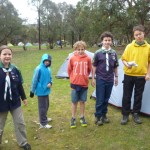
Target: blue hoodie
<point>42,77</point>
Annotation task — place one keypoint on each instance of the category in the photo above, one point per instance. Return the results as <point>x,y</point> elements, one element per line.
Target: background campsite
<point>61,137</point>
<point>57,28</point>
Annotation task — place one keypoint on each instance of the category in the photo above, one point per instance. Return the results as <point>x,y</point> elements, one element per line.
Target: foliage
<point>61,137</point>
<point>10,23</point>
<point>85,21</point>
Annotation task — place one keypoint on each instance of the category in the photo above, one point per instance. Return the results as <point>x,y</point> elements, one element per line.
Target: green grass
<point>112,136</point>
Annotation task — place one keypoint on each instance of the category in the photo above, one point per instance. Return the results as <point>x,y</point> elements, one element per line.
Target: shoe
<point>136,118</point>
<point>47,126</point>
<point>99,121</point>
<point>73,123</point>
<point>49,119</point>
<point>105,119</point>
<point>83,122</point>
<point>124,120</point>
<point>27,147</point>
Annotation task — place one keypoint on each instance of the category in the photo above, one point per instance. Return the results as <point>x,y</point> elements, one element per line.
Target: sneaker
<point>47,126</point>
<point>136,118</point>
<point>49,119</point>
<point>99,121</point>
<point>105,119</point>
<point>27,147</point>
<point>73,123</point>
<point>124,120</point>
<point>83,122</point>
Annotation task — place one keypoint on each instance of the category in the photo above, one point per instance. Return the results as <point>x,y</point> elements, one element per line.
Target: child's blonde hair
<point>79,43</point>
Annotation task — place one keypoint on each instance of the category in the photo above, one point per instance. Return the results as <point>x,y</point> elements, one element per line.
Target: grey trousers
<point>19,125</point>
<point>43,106</point>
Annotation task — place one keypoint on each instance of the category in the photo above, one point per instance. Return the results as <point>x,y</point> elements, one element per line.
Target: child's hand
<point>25,102</point>
<point>116,81</point>
<point>129,66</point>
<point>49,85</point>
<point>147,77</point>
<point>93,83</point>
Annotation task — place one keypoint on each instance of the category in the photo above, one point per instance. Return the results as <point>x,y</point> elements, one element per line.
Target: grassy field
<point>112,136</point>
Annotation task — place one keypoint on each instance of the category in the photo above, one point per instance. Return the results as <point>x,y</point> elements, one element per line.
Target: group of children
<point>104,67</point>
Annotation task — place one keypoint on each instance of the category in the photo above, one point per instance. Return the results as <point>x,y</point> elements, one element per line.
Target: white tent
<point>62,72</point>
<point>117,92</point>
<point>20,44</point>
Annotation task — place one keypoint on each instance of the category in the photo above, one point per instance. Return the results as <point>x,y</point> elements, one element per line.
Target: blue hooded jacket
<point>42,77</point>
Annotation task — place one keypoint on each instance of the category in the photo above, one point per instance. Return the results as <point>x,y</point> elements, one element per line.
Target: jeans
<point>79,95</point>
<point>130,82</point>
<point>103,92</point>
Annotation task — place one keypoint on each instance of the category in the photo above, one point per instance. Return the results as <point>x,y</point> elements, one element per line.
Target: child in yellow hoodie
<point>136,60</point>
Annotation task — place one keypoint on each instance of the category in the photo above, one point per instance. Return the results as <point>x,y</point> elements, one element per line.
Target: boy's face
<point>80,50</point>
<point>6,56</point>
<point>107,41</point>
<point>139,36</point>
<point>47,62</point>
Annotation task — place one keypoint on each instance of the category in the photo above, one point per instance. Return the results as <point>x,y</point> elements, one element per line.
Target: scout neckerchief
<point>140,43</point>
<point>7,83</point>
<point>107,58</point>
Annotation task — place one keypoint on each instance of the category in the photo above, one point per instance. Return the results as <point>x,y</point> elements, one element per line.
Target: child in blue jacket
<point>41,86</point>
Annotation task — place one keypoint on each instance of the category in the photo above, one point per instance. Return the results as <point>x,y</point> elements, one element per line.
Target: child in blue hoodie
<point>41,86</point>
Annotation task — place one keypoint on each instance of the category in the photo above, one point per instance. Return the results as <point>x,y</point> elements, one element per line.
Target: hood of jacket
<point>46,57</point>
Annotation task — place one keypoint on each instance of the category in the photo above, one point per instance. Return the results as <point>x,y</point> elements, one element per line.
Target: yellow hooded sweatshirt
<point>140,54</point>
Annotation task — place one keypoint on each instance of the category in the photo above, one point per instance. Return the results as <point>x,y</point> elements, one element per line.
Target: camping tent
<point>9,44</point>
<point>20,44</point>
<point>117,92</point>
<point>62,72</point>
<point>28,44</point>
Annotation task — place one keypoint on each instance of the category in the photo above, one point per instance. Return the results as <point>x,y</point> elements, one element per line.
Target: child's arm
<point>22,92</point>
<point>126,64</point>
<point>34,82</point>
<point>89,66</point>
<point>116,76</point>
<point>147,77</point>
<point>93,76</point>
<point>49,85</point>
<point>69,68</point>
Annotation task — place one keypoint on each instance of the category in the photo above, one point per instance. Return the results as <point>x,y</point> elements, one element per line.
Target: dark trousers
<point>103,92</point>
<point>43,105</point>
<point>129,83</point>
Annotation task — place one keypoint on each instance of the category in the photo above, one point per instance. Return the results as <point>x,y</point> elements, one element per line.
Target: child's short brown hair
<point>139,28</point>
<point>79,43</point>
<point>106,34</point>
<point>4,47</point>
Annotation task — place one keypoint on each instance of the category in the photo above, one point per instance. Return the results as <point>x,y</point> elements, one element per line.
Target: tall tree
<point>10,22</point>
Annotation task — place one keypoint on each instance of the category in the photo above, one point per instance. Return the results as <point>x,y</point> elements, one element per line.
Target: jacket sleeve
<point>20,86</point>
<point>51,79</point>
<point>125,54</point>
<point>22,92</point>
<point>35,79</point>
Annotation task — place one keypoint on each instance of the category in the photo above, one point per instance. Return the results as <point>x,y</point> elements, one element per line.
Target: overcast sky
<point>28,12</point>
